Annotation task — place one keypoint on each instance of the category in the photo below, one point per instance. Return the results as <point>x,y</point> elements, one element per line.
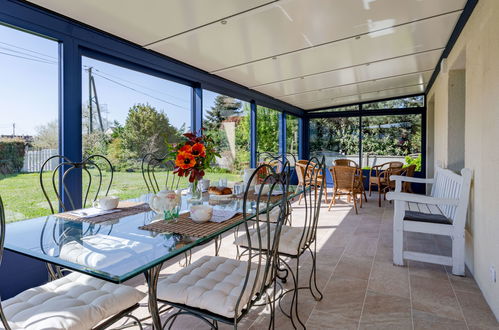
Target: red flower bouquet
<point>194,156</point>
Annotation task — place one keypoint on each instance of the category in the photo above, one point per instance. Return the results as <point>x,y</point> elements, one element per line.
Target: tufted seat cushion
<point>75,301</point>
<point>289,243</point>
<point>211,283</point>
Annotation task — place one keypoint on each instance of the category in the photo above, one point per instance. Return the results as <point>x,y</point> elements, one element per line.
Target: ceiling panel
<point>143,22</point>
<point>287,26</point>
<point>359,88</point>
<point>404,40</point>
<point>408,90</point>
<point>377,70</point>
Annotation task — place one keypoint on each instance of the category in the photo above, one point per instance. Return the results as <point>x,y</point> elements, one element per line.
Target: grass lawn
<point>23,198</point>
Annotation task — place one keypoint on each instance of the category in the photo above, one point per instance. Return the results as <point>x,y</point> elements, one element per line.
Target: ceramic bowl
<point>265,190</point>
<point>201,213</point>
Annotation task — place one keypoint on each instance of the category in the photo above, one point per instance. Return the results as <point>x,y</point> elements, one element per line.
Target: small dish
<point>201,213</point>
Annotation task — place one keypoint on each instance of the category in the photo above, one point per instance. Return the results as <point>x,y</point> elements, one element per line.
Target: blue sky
<point>29,86</point>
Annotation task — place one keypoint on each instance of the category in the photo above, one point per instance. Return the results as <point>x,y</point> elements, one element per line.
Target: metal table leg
<point>152,283</point>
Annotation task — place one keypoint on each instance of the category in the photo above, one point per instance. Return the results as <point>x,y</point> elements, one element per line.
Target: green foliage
<point>414,161</point>
<point>147,130</point>
<point>47,136</point>
<point>11,155</point>
<point>267,130</point>
<point>224,108</point>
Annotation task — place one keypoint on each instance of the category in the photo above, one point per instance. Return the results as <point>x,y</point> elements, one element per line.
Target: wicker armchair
<point>380,178</point>
<point>347,182</point>
<point>345,162</point>
<point>304,178</point>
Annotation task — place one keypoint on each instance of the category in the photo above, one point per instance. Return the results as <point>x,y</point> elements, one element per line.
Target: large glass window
<point>227,121</point>
<point>335,138</point>
<point>391,138</point>
<point>29,119</point>
<point>292,135</point>
<point>127,114</point>
<point>267,130</point>
<point>407,102</point>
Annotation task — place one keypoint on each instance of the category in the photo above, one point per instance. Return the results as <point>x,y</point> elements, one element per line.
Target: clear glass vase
<point>196,192</point>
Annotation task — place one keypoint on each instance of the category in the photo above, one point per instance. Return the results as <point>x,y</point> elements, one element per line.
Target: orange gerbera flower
<point>198,150</point>
<point>186,148</point>
<point>185,160</point>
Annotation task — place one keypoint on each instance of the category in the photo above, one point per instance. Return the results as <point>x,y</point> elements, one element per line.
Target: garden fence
<point>34,159</point>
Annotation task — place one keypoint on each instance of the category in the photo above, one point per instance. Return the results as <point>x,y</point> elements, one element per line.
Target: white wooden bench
<point>441,213</point>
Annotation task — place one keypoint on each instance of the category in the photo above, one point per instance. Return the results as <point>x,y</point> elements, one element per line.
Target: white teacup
<point>106,203</point>
<point>201,213</point>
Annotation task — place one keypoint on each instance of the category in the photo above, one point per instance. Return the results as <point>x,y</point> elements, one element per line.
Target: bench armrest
<point>411,179</point>
<point>406,197</point>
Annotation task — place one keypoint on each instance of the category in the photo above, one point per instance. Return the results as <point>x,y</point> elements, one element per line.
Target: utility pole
<point>92,97</point>
<point>13,129</point>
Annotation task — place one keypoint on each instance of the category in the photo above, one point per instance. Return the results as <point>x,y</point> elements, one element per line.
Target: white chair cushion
<point>211,283</point>
<point>289,242</point>
<point>75,301</point>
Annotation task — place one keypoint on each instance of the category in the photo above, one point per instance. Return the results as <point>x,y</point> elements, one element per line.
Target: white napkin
<point>222,215</point>
<point>91,212</point>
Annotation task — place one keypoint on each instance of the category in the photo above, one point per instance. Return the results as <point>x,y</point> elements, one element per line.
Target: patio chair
<point>305,174</point>
<point>219,289</point>
<point>296,241</point>
<point>347,182</point>
<point>95,185</point>
<point>441,213</point>
<point>387,184</point>
<point>150,164</point>
<point>379,178</point>
<point>345,162</point>
<point>74,302</point>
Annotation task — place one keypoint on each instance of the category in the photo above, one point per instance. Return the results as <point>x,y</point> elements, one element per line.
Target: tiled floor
<point>362,289</point>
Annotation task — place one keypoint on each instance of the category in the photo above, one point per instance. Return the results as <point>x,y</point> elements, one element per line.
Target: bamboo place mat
<point>185,226</point>
<point>125,209</point>
<point>263,198</point>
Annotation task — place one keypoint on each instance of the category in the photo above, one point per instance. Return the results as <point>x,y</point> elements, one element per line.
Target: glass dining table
<point>116,250</point>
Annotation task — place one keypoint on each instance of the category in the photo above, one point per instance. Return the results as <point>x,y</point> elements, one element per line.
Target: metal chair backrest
<point>150,164</point>
<point>262,250</point>
<point>313,199</point>
<point>91,188</point>
<point>344,177</point>
<point>345,162</point>
<point>3,318</point>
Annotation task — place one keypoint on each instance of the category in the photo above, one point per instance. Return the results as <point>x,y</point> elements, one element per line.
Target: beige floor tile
<point>380,308</point>
<point>389,279</point>
<point>475,310</point>
<point>353,267</point>
<point>434,296</point>
<point>428,321</point>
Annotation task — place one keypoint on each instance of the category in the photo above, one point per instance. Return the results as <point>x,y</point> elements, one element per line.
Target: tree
<point>267,130</point>
<point>47,136</point>
<point>147,130</point>
<point>224,108</point>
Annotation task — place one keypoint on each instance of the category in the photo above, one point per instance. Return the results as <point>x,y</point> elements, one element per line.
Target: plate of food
<point>220,193</point>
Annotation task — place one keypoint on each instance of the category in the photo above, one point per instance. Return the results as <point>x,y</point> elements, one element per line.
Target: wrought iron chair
<point>250,279</point>
<point>150,164</point>
<point>54,305</point>
<point>296,241</point>
<point>94,186</point>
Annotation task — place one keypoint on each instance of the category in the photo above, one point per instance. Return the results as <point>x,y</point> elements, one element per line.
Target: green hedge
<point>11,155</point>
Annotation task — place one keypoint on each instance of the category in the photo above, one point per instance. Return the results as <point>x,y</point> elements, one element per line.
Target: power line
<point>138,91</point>
<point>29,50</point>
<point>27,58</point>
<point>26,54</point>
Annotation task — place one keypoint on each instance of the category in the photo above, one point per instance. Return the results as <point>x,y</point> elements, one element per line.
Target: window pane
<point>127,114</point>
<point>292,135</point>
<point>335,138</point>
<point>227,122</point>
<point>408,102</point>
<point>345,108</point>
<point>29,126</point>
<point>267,130</point>
<point>391,138</point>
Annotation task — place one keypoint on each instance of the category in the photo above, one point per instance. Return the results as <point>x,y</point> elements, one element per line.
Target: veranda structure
<point>273,56</point>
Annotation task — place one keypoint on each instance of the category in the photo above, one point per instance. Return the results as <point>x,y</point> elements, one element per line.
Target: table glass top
<point>116,250</point>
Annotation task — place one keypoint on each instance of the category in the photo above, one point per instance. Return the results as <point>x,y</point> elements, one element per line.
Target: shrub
<point>414,161</point>
<point>11,155</point>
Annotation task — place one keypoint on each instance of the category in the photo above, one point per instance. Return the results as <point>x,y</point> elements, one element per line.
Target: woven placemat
<point>185,226</point>
<point>124,208</point>
<point>263,198</point>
